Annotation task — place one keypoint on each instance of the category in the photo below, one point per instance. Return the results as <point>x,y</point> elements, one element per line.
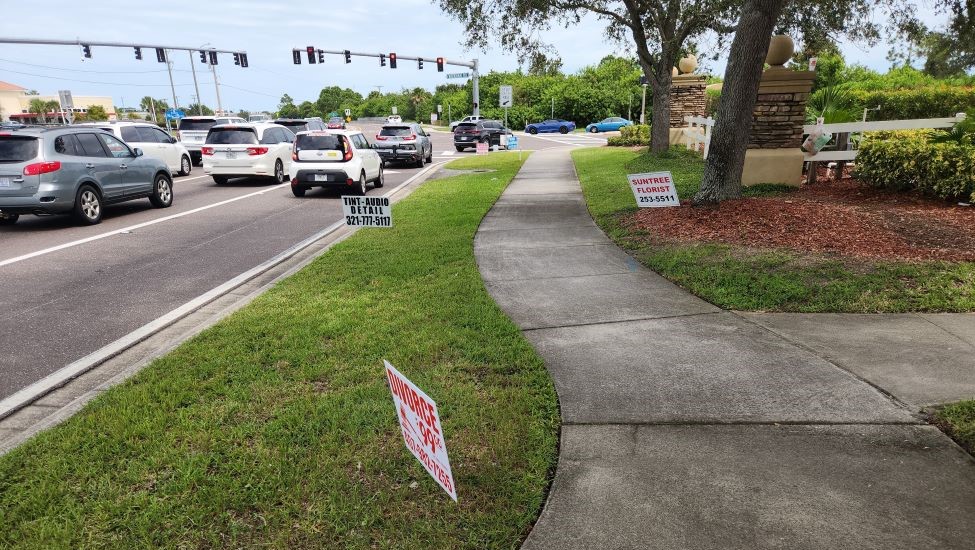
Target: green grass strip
<point>752,279</point>
<point>275,428</point>
<point>958,421</point>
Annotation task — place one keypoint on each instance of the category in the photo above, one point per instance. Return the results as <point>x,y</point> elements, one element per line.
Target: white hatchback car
<point>247,150</point>
<point>336,159</point>
<point>153,141</point>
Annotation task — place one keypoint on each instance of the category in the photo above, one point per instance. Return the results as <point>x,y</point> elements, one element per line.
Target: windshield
<point>17,149</point>
<point>294,125</point>
<point>318,142</point>
<point>396,131</point>
<point>232,136</point>
<point>198,124</point>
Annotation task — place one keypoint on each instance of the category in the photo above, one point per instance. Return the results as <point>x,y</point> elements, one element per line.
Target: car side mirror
<point>138,152</point>
<point>172,139</point>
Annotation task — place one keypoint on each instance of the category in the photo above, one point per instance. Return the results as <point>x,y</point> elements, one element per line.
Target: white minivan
<point>247,150</point>
<point>153,141</point>
<point>341,159</point>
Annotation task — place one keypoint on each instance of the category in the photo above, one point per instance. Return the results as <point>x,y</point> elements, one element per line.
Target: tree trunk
<point>729,140</point>
<point>660,122</point>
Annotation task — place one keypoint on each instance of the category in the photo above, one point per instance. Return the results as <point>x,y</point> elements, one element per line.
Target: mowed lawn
<point>275,428</point>
<point>765,279</point>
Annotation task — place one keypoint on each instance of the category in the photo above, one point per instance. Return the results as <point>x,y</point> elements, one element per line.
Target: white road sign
<point>67,103</point>
<point>367,211</point>
<point>348,112</point>
<point>419,422</point>
<point>653,190</point>
<point>506,96</point>
<point>394,110</point>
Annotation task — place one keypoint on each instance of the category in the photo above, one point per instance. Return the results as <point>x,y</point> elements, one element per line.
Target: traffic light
<point>243,60</point>
<point>348,56</point>
<point>419,63</point>
<point>321,56</point>
<point>160,55</point>
<point>311,55</point>
<point>213,58</point>
<point>138,53</point>
<point>439,64</point>
<point>382,60</point>
<point>86,50</point>
<point>203,57</point>
<point>236,59</point>
<point>392,60</point>
<point>296,56</point>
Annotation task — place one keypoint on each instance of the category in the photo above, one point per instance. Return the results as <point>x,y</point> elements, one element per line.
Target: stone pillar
<point>687,98</point>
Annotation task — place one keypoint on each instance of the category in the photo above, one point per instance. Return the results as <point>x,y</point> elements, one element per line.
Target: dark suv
<point>469,134</point>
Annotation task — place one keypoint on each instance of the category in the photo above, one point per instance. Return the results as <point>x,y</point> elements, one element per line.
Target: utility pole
<point>199,108</point>
<point>643,109</point>
<point>553,107</point>
<point>216,84</point>
<point>169,68</point>
<point>477,89</point>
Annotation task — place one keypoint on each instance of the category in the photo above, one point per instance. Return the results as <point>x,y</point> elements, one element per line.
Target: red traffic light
<point>392,60</point>
<point>312,58</point>
<point>439,64</point>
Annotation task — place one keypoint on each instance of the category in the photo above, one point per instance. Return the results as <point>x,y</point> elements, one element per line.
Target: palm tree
<point>39,107</point>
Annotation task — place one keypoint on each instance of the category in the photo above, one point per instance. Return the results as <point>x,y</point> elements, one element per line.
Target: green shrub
<point>712,97</point>
<point>638,134</point>
<point>929,102</point>
<point>904,161</point>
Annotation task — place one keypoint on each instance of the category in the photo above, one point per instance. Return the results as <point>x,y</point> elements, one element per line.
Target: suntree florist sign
<point>420,423</point>
<point>655,189</point>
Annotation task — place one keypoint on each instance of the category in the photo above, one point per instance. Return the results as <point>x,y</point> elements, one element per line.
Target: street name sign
<point>458,75</point>
<point>506,96</point>
<point>367,211</point>
<point>653,190</point>
<point>419,422</point>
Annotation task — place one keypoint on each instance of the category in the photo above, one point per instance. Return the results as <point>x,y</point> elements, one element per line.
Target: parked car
<point>240,150</point>
<point>153,141</point>
<point>336,158</point>
<point>336,123</point>
<point>469,134</point>
<point>258,118</point>
<point>71,170</point>
<point>192,132</point>
<point>10,125</point>
<point>610,124</point>
<point>466,119</point>
<point>394,119</point>
<point>300,124</point>
<point>551,125</point>
<point>406,142</point>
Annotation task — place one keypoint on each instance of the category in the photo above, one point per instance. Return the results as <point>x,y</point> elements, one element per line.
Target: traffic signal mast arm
<point>106,44</point>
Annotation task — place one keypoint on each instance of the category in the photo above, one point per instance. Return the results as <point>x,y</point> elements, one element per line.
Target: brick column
<point>776,135</point>
<point>687,98</point>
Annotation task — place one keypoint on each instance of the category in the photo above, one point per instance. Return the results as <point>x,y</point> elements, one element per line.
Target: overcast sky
<point>267,31</point>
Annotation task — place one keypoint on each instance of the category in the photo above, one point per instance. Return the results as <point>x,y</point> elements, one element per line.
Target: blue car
<point>553,125</point>
<point>610,124</point>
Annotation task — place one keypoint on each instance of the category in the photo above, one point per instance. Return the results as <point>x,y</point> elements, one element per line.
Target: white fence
<point>842,130</point>
<point>698,132</point>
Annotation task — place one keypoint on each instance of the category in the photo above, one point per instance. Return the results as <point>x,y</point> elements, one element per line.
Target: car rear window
<point>465,126</point>
<point>17,148</point>
<point>296,126</point>
<point>232,136</point>
<point>396,131</point>
<point>319,142</point>
<point>196,124</point>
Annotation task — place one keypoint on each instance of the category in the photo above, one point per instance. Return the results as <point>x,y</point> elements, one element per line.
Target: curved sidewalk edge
<point>685,426</point>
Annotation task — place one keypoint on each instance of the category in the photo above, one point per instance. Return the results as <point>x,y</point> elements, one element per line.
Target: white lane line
<point>62,376</point>
<point>447,154</point>
<point>134,227</point>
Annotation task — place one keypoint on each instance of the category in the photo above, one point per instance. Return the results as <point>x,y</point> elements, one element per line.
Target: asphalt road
<point>69,290</point>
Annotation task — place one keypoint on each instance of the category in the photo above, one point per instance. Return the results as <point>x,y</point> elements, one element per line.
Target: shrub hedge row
<point>909,160</point>
<point>637,134</point>
<point>930,102</point>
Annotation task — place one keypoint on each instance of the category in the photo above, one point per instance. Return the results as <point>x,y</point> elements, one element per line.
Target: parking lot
<point>70,289</point>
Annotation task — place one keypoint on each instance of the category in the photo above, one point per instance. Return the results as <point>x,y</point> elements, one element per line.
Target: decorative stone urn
<point>674,72</point>
<point>780,51</point>
<point>688,64</point>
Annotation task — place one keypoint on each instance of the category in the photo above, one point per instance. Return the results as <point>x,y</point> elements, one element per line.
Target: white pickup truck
<point>453,125</point>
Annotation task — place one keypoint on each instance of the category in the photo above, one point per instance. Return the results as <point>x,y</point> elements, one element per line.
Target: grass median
<point>276,428</point>
<point>743,277</point>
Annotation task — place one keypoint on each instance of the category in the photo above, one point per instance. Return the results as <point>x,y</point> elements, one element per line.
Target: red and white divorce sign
<point>654,189</point>
<point>420,423</point>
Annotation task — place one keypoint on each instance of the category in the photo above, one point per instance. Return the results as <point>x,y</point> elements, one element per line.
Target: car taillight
<point>348,154</point>
<point>206,151</point>
<point>410,137</point>
<point>39,168</point>
<point>380,138</point>
<point>294,155</point>
<point>254,151</point>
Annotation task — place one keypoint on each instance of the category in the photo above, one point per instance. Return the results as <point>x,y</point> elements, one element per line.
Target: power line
<point>248,91</point>
<point>92,81</point>
<point>80,70</point>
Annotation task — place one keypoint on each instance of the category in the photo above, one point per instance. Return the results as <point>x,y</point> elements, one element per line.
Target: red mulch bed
<point>844,217</point>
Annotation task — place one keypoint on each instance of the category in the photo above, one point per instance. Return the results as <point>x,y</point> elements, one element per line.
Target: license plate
<point>321,177</point>
<point>5,182</point>
<point>231,155</point>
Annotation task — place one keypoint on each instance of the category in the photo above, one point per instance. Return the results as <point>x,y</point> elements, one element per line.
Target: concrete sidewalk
<point>685,426</point>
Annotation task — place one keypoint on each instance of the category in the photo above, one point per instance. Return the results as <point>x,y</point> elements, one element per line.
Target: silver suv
<point>75,170</point>
<point>192,132</point>
<point>407,142</point>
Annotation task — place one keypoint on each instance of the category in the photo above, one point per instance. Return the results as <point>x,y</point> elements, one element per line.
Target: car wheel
<point>459,149</point>
<point>88,206</point>
<point>361,188</point>
<point>594,130</point>
<point>419,160</point>
<point>430,155</point>
<point>563,130</point>
<point>278,172</point>
<point>185,166</point>
<point>9,219</point>
<point>381,179</point>
<point>220,180</point>
<point>162,192</point>
<point>298,191</point>
<point>533,130</point>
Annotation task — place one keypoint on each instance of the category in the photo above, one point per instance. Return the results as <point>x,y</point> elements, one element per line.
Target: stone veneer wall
<point>780,111</point>
<point>687,98</point>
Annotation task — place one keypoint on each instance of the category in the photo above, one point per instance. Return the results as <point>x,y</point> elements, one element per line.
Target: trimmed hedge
<point>904,161</point>
<point>637,134</point>
<point>929,102</point>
